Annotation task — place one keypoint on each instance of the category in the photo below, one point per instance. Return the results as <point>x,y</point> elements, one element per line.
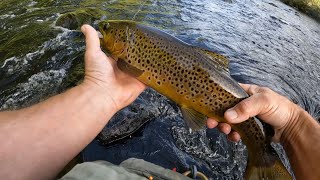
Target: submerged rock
<point>74,20</point>
<point>145,108</point>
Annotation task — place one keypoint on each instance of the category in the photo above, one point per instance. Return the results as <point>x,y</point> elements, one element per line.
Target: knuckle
<point>251,89</point>
<point>245,107</point>
<point>264,97</point>
<point>266,100</point>
<point>265,90</point>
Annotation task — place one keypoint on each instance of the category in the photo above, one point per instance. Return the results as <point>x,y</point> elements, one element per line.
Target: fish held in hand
<point>196,79</point>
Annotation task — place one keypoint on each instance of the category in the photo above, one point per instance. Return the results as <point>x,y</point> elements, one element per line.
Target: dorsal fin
<point>217,66</point>
<point>161,33</point>
<point>220,61</point>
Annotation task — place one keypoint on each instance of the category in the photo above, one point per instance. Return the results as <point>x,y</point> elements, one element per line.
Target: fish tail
<point>266,167</point>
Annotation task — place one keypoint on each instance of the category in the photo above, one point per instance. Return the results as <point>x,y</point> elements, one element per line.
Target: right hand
<point>264,103</point>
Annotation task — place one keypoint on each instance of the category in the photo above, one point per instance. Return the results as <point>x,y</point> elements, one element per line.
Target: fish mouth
<point>103,25</point>
<point>111,43</point>
<point>105,39</point>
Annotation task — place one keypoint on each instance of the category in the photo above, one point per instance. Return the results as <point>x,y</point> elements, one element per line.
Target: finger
<point>224,127</point>
<point>92,38</point>
<point>234,136</point>
<point>247,108</point>
<point>211,123</point>
<point>245,86</point>
<point>250,88</point>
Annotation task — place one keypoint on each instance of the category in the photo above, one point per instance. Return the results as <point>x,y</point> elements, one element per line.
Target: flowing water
<point>268,43</point>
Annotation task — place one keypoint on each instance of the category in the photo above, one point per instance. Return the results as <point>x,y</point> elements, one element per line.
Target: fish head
<point>115,34</point>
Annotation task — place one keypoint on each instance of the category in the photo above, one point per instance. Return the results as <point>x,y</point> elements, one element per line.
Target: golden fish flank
<point>174,70</point>
<point>196,79</point>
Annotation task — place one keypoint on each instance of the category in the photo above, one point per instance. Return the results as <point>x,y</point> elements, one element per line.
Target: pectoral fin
<point>194,119</point>
<point>128,68</point>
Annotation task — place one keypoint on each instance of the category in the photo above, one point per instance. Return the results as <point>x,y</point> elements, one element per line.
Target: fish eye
<point>106,26</point>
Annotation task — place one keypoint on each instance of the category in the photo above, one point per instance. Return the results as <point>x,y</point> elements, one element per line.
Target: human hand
<point>104,77</point>
<point>264,103</point>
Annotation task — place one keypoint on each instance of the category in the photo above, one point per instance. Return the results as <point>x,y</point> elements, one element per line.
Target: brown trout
<point>196,79</point>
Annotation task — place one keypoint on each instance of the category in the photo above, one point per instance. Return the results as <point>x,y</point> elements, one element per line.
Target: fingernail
<point>231,114</point>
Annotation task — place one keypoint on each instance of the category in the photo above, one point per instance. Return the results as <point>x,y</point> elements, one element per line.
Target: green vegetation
<point>24,27</point>
<point>310,7</point>
<point>16,43</point>
<point>26,21</point>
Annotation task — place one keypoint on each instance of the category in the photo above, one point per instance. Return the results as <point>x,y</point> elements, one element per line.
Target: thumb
<point>92,38</point>
<point>247,108</point>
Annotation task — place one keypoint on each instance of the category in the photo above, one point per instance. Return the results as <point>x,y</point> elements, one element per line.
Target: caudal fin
<point>273,171</point>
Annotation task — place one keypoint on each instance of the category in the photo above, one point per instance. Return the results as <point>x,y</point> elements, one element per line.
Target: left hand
<point>103,75</point>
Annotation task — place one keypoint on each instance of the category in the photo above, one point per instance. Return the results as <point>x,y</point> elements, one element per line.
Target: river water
<point>268,43</point>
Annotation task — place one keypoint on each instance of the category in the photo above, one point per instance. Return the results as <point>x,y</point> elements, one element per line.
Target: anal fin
<point>194,119</point>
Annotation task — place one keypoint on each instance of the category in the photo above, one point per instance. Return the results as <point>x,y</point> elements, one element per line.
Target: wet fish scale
<point>183,73</point>
<point>194,78</point>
